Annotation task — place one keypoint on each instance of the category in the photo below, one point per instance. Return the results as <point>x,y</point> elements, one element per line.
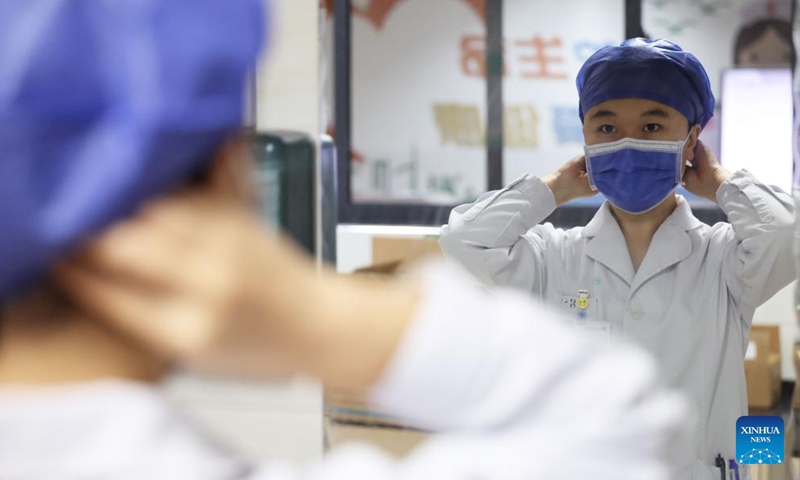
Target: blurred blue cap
<point>105,104</point>
<point>657,70</point>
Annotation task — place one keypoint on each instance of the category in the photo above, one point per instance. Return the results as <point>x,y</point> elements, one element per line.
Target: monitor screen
<point>757,123</point>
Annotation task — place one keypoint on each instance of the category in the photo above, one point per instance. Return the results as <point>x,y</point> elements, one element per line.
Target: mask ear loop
<point>686,160</point>
<point>690,165</point>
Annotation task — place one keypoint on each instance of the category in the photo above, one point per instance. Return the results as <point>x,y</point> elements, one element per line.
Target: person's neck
<point>37,350</point>
<point>639,230</point>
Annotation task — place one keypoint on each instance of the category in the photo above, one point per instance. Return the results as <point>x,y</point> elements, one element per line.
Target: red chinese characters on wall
<point>531,58</point>
<point>541,58</point>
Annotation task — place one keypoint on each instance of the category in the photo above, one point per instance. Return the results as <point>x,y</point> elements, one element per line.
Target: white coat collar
<point>670,245</point>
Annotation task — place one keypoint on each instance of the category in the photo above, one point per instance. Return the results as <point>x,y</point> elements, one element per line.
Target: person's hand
<point>198,279</point>
<point>180,277</point>
<point>705,175</point>
<point>570,182</point>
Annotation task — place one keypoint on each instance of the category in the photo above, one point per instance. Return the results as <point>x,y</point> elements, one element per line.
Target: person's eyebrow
<point>656,112</point>
<point>602,114</point>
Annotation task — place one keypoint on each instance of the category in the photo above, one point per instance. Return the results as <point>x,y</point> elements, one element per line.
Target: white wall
<point>416,60</point>
<point>583,26</point>
<point>266,419</point>
<point>288,88</point>
<point>399,70</point>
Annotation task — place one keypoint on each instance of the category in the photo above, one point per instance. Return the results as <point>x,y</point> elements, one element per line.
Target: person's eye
<point>652,127</point>
<point>607,129</point>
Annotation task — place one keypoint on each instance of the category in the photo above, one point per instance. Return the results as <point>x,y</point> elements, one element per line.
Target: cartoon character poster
<point>765,37</point>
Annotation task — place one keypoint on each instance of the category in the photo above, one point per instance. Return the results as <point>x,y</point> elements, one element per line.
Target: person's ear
<point>231,173</point>
<point>691,142</point>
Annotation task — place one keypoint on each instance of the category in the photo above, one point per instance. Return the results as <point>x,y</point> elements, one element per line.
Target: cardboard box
<point>381,270</point>
<point>393,255</point>
<point>762,367</point>
<point>404,249</point>
<point>396,442</point>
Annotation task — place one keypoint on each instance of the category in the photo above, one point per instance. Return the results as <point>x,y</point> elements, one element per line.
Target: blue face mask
<point>635,175</point>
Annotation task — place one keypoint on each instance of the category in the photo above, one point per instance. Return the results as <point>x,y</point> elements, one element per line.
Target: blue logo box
<point>759,440</point>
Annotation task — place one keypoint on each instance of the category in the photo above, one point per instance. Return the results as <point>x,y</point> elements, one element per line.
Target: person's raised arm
<point>758,246</point>
<point>498,238</point>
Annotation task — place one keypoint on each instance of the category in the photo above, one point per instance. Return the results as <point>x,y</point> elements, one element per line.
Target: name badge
<point>584,312</point>
<point>582,305</point>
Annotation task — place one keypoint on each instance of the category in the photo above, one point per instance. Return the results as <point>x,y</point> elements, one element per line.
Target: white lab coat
<point>516,395</point>
<point>691,302</point>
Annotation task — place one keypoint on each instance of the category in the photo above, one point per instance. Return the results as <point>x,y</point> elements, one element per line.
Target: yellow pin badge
<point>583,299</point>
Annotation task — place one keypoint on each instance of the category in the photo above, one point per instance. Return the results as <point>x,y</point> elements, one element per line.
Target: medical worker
<point>644,268</point>
<point>105,106</point>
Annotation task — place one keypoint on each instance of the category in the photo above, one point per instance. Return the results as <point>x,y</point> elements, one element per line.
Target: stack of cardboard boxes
<point>762,367</point>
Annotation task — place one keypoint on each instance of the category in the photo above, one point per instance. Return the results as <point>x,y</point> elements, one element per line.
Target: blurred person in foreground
<point>118,129</point>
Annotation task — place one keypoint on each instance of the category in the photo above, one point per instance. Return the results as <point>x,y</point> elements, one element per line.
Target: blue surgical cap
<point>657,70</point>
<point>105,104</point>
